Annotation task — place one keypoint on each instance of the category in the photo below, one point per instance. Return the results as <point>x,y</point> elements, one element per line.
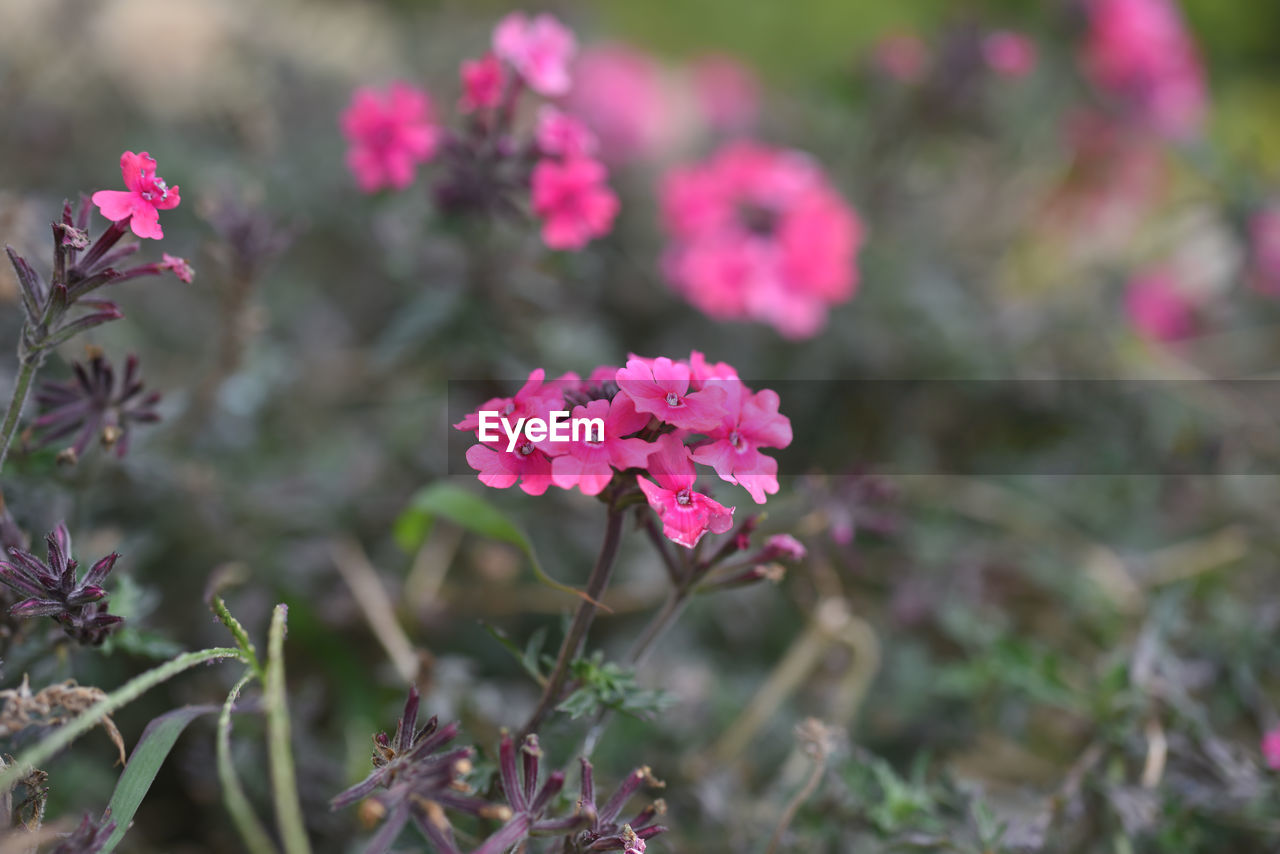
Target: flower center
<point>684,497</point>
<point>735,439</point>
<point>758,219</point>
<point>673,399</point>
<point>526,449</point>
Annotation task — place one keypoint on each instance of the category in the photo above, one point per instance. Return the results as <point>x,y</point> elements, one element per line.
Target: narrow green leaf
<point>255,836</point>
<point>470,512</point>
<point>528,657</point>
<point>90,717</point>
<point>144,763</point>
<point>284,785</point>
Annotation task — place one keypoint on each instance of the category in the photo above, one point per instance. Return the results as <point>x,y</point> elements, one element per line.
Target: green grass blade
<point>284,785</point>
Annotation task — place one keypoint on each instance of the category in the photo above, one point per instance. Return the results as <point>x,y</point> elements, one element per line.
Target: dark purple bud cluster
<point>52,590</point>
<point>95,405</point>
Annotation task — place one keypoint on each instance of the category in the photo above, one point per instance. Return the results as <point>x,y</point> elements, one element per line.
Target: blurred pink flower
<point>1264,235</point>
<point>563,135</point>
<point>1139,51</point>
<point>141,203</point>
<point>1009,53</point>
<point>482,81</point>
<point>619,92</point>
<point>573,201</point>
<point>686,515</point>
<point>389,134</point>
<point>758,233</point>
<point>1271,748</point>
<point>1157,307</point>
<point>902,56</point>
<point>540,50</point>
<point>535,398</point>
<point>728,92</point>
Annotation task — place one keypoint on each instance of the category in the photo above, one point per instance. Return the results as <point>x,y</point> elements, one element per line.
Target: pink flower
<point>589,465</point>
<point>902,56</point>
<point>179,267</point>
<point>145,197</point>
<point>701,371</point>
<point>482,81</point>
<point>1009,53</point>
<point>389,133</point>
<point>620,93</point>
<point>1264,233</point>
<point>1139,51</point>
<point>502,469</point>
<point>573,201</point>
<point>662,390</point>
<point>535,398</point>
<point>560,134</point>
<point>1158,310</point>
<point>727,91</point>
<point>759,233</point>
<point>748,423</point>
<point>540,50</point>
<point>686,515</point>
<point>1271,748</point>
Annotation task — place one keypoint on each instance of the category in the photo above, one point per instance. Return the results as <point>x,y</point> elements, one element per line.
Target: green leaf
<point>606,685</point>
<point>144,763</point>
<point>90,717</point>
<point>284,784</point>
<point>472,513</point>
<point>529,656</point>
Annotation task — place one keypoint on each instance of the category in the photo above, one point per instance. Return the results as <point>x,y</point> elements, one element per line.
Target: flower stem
<point>28,363</point>
<point>658,626</point>
<point>571,648</point>
<point>284,784</point>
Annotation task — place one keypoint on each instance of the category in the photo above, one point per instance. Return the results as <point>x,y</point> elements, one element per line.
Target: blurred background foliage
<point>1055,663</point>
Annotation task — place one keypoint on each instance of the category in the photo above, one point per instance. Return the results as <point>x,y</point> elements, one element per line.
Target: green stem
<point>28,363</point>
<point>284,785</point>
<point>255,837</point>
<point>571,648</point>
<point>658,625</point>
<point>118,698</point>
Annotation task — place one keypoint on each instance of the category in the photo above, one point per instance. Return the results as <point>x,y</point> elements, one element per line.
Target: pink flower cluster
<point>391,133</point>
<point>1271,748</point>
<point>661,418</point>
<point>643,109</point>
<point>1139,52</point>
<point>759,233</point>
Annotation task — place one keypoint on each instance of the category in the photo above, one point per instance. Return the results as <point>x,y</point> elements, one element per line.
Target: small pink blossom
<point>701,371</point>
<point>1271,748</point>
<point>783,547</point>
<point>902,56</point>
<point>527,465</point>
<point>389,133</point>
<point>562,135</point>
<point>1264,234</point>
<point>540,51</point>
<point>534,399</point>
<point>686,515</point>
<point>748,423</point>
<point>1008,53</point>
<point>620,93</point>
<point>589,465</point>
<point>1139,51</point>
<point>662,390</point>
<point>141,203</point>
<point>179,267</point>
<point>758,233</point>
<point>573,201</point>
<point>482,81</point>
<point>727,91</point>
<point>1158,309</point>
